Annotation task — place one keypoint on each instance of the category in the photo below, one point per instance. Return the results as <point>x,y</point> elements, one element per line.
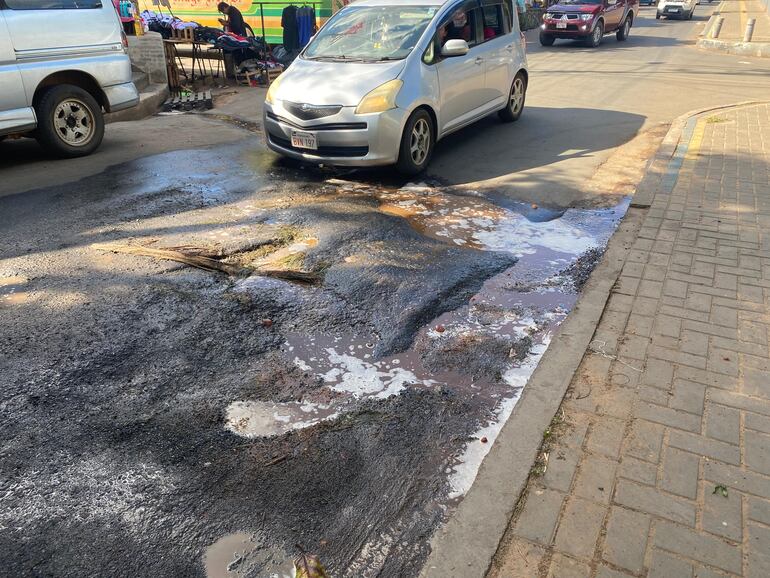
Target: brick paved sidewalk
<point>658,463</point>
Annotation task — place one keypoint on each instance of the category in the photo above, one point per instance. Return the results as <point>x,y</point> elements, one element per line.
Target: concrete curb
<point>760,49</point>
<point>466,544</point>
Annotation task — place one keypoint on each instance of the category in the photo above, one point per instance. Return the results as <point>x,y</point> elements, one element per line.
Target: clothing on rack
<point>306,25</point>
<point>290,28</point>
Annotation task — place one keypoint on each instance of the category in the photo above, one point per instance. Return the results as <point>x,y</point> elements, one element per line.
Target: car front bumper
<point>343,139</point>
<point>575,29</point>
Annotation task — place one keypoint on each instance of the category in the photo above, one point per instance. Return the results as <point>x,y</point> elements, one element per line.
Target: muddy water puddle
<point>13,290</point>
<point>234,556</point>
<point>484,351</point>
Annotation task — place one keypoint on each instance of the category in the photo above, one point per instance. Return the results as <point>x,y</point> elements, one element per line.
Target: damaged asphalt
<point>118,370</point>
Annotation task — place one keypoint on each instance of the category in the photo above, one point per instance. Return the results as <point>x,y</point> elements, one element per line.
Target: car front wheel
<point>624,30</point>
<point>518,94</point>
<point>596,36</point>
<point>70,122</point>
<point>416,143</point>
<point>546,39</point>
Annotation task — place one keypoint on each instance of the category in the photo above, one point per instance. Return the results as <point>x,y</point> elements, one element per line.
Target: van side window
<point>52,4</point>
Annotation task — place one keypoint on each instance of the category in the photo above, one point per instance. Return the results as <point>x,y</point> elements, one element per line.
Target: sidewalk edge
<point>757,49</point>
<point>466,544</point>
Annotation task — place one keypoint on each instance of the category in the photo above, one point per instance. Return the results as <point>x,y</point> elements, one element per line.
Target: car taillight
<point>124,40</point>
<point>523,40</point>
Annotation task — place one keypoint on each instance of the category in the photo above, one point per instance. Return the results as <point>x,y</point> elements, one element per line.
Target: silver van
<point>62,63</point>
<point>383,80</point>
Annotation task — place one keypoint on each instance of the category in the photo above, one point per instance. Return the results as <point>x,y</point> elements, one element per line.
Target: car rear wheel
<point>596,36</point>
<point>416,143</point>
<point>624,30</point>
<point>70,122</point>
<point>518,94</point>
<point>546,39</point>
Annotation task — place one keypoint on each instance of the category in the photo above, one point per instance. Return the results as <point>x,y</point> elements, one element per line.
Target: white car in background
<point>676,8</point>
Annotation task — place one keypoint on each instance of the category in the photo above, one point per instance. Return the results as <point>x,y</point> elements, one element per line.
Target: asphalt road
<point>136,392</point>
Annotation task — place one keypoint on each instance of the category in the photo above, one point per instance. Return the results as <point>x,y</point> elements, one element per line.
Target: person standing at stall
<point>234,22</point>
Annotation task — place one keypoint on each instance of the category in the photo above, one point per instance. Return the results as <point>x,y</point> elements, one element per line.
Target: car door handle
<point>479,60</point>
<point>509,48</point>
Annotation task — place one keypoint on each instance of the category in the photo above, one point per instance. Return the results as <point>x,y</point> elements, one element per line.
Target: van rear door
<point>50,29</point>
<point>14,112</point>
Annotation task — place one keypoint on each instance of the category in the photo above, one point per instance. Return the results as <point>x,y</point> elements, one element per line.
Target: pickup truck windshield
<point>581,2</point>
<point>371,33</point>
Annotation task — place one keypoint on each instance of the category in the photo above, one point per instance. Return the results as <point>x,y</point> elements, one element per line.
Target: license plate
<point>304,140</point>
<point>561,25</point>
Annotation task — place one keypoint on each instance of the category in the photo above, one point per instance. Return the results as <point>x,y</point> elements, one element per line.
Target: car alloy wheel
<point>517,95</point>
<point>74,122</point>
<point>420,139</point>
<point>596,35</point>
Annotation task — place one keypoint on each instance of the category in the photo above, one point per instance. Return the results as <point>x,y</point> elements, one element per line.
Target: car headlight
<point>549,15</point>
<point>381,98</point>
<point>270,96</point>
<point>586,16</point>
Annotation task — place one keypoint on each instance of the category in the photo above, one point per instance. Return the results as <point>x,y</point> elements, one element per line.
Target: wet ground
<point>161,420</point>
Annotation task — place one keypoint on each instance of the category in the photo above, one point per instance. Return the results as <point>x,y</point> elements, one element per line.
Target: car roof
<point>400,2</point>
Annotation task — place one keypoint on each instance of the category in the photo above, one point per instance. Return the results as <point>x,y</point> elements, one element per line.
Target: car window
<point>52,4</point>
<point>493,21</point>
<point>460,24</point>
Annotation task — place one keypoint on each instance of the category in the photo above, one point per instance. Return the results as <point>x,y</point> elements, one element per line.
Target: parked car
<point>676,8</point>
<point>62,63</point>
<point>383,80</point>
<point>588,20</point>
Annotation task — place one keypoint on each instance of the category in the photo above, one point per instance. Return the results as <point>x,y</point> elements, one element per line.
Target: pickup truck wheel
<point>546,39</point>
<point>596,36</point>
<point>70,122</point>
<point>624,30</point>
<point>416,144</point>
<point>515,106</point>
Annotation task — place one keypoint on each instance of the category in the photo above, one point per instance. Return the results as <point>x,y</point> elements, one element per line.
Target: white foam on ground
<point>520,236</point>
<point>363,379</point>
<point>464,472</point>
<point>254,419</point>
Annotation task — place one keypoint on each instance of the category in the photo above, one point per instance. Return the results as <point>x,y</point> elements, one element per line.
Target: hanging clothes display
<point>306,25</point>
<point>289,25</point>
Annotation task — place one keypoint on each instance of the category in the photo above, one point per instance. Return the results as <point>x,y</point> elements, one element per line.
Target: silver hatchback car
<point>384,80</point>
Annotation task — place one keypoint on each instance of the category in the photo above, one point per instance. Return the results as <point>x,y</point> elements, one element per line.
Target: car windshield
<point>371,33</point>
<point>581,2</point>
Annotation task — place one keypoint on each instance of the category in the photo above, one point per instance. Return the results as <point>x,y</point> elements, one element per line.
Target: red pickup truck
<point>588,20</point>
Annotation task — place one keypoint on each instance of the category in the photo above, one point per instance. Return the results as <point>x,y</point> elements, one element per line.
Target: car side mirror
<point>455,47</point>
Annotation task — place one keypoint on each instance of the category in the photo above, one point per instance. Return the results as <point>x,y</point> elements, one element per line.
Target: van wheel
<point>416,143</point>
<point>596,36</point>
<point>546,39</point>
<point>70,122</point>
<point>624,30</point>
<point>515,106</point>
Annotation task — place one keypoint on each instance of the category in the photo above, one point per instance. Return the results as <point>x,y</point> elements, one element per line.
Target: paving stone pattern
<point>672,401</point>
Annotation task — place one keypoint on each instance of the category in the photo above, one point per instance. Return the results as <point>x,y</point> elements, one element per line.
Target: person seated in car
<point>459,28</point>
